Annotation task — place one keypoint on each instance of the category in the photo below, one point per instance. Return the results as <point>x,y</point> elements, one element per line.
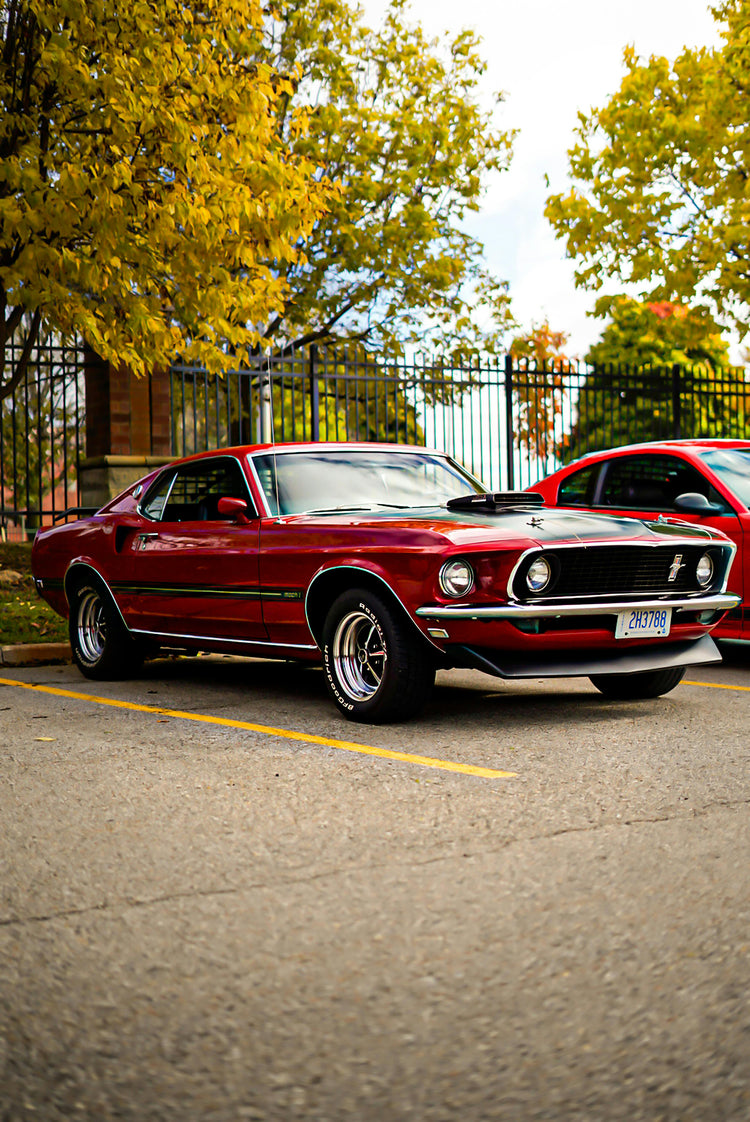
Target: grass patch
<point>24,616</point>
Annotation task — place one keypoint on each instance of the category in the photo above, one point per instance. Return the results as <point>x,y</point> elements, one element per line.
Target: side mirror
<point>694,503</point>
<point>236,509</point>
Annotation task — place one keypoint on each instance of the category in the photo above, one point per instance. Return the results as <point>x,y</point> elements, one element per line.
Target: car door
<point>646,484</point>
<point>188,571</point>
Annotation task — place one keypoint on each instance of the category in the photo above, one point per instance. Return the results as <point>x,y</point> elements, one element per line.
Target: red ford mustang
<point>705,482</point>
<point>385,562</point>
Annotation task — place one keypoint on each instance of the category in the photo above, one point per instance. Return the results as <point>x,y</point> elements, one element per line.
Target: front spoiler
<point>631,660</point>
<point>720,602</point>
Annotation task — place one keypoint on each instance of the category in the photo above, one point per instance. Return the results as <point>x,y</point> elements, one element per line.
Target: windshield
<point>732,465</point>
<point>302,482</point>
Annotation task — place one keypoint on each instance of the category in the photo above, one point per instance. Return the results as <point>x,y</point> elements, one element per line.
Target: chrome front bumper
<point>720,602</point>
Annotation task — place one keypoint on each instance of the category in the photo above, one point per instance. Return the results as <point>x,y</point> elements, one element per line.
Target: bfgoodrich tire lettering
<point>648,683</point>
<point>376,670</point>
<point>100,643</point>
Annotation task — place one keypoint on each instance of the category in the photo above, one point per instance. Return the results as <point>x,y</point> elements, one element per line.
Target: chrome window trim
<point>253,471</point>
<point>139,508</point>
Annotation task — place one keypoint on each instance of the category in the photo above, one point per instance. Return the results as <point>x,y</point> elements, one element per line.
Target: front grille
<point>602,570</point>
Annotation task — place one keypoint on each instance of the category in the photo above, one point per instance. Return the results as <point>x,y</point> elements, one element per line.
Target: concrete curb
<point>34,654</point>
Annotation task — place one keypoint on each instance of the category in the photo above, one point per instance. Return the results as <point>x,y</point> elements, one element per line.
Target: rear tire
<point>376,669</point>
<point>644,684</point>
<point>101,645</point>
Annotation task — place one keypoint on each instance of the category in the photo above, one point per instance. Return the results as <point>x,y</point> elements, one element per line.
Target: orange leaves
<point>666,308</point>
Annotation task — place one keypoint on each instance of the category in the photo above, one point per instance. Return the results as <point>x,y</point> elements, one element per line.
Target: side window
<point>652,482</point>
<point>196,490</point>
<point>578,488</point>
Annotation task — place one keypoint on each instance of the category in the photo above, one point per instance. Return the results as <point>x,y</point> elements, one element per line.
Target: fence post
<point>265,403</point>
<point>509,421</point>
<point>676,403</point>
<point>314,394</point>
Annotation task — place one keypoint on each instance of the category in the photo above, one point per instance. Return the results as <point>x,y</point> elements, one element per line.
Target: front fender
<point>329,582</point>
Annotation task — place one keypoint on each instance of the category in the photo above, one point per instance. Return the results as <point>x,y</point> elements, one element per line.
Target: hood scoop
<point>497,502</point>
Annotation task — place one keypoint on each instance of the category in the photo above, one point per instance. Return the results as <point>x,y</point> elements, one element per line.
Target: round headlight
<point>704,570</point>
<point>539,575</point>
<point>456,578</point>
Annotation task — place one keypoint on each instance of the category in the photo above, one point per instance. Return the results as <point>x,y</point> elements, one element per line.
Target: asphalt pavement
<point>219,901</point>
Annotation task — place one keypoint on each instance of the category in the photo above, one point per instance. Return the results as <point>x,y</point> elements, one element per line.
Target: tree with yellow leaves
<point>148,200</point>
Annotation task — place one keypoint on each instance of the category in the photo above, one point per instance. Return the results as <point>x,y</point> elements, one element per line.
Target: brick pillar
<point>128,427</point>
<point>161,413</point>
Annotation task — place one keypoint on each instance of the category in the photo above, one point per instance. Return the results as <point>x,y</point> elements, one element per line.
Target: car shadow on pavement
<point>735,652</point>
<point>542,703</point>
<point>285,679</point>
<point>217,682</point>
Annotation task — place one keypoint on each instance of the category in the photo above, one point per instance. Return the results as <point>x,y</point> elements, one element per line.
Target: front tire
<point>101,645</point>
<point>376,669</point>
<point>645,684</point>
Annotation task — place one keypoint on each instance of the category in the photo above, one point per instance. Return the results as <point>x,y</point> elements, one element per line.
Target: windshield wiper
<point>337,510</point>
<point>358,509</point>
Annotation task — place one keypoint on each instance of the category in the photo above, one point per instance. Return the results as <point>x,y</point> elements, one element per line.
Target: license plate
<point>643,623</point>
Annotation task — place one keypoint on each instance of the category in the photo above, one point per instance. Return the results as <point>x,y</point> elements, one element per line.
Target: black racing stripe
<point>206,591</point>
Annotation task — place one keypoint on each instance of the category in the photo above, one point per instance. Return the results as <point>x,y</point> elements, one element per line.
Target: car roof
<point>674,444</point>
<point>310,446</point>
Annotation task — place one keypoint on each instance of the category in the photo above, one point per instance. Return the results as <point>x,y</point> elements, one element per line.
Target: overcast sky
<point>552,58</point>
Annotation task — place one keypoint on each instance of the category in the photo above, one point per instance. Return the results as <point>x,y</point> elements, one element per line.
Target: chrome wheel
<point>359,656</point>
<point>91,626</point>
<point>376,667</point>
<point>99,640</point>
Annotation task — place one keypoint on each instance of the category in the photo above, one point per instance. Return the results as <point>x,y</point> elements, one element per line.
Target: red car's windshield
<point>307,481</point>
<point>732,465</point>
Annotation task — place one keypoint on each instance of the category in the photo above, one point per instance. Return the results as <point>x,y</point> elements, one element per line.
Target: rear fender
<point>81,572</point>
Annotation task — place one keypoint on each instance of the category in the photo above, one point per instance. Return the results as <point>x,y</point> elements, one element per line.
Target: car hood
<point>540,526</point>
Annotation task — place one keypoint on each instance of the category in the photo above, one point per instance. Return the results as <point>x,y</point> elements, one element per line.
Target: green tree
<point>657,334</point>
<point>657,363</point>
<point>660,177</point>
<point>148,199</point>
<point>397,121</point>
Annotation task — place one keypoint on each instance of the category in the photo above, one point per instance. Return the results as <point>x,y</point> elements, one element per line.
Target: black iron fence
<point>510,422</point>
<point>42,427</point>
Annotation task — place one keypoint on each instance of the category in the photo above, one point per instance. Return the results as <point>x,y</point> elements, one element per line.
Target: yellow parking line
<point>717,686</point>
<point>287,734</point>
